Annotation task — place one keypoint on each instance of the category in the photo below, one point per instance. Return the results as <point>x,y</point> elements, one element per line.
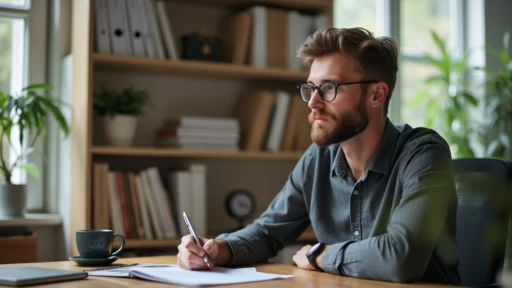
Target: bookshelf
<point>197,68</point>
<point>210,153</point>
<point>307,237</point>
<point>260,171</point>
<point>308,5</point>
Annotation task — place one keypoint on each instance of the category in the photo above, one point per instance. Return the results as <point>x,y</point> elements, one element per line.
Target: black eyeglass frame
<point>336,85</point>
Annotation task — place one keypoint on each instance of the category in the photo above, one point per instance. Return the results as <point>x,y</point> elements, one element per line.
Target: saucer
<point>93,262</point>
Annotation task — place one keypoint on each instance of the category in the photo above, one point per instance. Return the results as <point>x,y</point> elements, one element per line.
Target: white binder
<point>136,19</point>
<point>279,121</point>
<point>259,54</point>
<point>153,29</point>
<point>119,30</point>
<point>166,29</point>
<point>102,30</point>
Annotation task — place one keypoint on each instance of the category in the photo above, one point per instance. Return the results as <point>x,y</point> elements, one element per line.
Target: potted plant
<point>27,113</point>
<point>448,102</point>
<point>120,111</point>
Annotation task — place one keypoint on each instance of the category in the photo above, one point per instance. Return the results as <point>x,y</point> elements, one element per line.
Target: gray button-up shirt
<point>396,223</point>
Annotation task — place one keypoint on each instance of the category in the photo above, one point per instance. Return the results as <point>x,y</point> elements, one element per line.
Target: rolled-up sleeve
<point>282,223</point>
<point>402,254</point>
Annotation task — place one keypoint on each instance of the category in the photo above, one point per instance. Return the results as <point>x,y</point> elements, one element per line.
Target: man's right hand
<point>190,256</point>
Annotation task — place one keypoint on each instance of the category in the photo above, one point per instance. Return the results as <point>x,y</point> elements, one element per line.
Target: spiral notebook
<point>172,274</point>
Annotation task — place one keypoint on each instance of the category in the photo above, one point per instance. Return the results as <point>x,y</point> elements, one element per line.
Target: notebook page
<point>217,276</point>
<point>124,271</point>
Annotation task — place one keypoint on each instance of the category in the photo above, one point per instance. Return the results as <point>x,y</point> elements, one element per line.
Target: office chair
<point>482,218</point>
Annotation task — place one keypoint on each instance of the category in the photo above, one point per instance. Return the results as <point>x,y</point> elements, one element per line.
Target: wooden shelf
<point>310,5</point>
<point>143,243</point>
<point>196,68</point>
<point>307,236</point>
<point>194,153</point>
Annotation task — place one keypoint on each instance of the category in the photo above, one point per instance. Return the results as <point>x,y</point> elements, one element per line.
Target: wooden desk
<point>302,278</point>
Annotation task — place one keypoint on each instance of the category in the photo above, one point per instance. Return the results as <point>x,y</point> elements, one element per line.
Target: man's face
<point>346,116</point>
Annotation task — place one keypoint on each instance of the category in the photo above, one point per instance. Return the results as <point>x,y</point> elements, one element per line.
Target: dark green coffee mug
<point>97,244</point>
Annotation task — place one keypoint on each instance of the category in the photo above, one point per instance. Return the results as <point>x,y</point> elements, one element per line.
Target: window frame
<point>388,24</point>
<point>457,28</point>
<point>35,14</point>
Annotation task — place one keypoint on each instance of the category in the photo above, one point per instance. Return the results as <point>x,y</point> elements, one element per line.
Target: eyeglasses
<point>327,90</point>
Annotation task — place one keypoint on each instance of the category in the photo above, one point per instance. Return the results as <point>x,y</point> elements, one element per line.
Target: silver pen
<point>189,225</point>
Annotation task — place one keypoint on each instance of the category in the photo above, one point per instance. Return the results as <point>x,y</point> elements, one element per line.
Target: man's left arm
<point>403,253</point>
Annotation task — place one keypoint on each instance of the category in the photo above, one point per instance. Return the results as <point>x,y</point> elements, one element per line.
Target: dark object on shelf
<point>240,205</point>
<point>202,46</point>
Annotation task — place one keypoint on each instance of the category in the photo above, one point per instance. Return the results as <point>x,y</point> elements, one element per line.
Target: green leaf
<point>470,98</point>
<point>433,79</point>
<point>462,64</point>
<point>31,169</point>
<point>436,62</point>
<point>440,44</point>
<point>505,140</point>
<point>128,101</point>
<point>38,86</point>
<point>61,120</point>
<point>504,57</point>
<point>493,51</point>
<point>419,98</point>
<point>495,149</point>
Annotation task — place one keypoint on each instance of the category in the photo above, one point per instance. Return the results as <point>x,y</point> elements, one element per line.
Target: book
<point>172,274</point>
<point>253,112</point>
<point>291,131</point>
<point>101,209</point>
<point>276,129</point>
<point>21,276</point>
<point>237,32</point>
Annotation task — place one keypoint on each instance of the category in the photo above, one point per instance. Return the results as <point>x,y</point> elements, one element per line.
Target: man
<point>380,198</point>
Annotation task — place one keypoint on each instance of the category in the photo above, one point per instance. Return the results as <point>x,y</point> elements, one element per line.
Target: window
<point>23,61</point>
<point>355,13</point>
<point>408,22</point>
<point>417,19</point>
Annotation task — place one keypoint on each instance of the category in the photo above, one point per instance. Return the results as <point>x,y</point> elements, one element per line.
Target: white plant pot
<point>13,200</point>
<point>120,129</point>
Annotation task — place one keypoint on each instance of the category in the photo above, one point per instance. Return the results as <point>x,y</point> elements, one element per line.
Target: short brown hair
<point>377,57</point>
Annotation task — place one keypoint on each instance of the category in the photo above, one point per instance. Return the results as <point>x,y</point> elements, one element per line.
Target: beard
<point>346,126</point>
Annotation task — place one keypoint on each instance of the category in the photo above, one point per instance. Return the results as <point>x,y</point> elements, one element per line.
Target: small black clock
<point>240,205</point>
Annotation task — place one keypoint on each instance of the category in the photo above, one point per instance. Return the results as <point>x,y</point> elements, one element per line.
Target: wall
<point>497,22</point>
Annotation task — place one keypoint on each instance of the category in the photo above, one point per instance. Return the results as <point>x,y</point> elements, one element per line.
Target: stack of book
<point>133,204</point>
<point>140,206</point>
<point>201,133</point>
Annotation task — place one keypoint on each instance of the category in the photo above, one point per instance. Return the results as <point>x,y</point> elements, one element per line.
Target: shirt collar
<point>381,160</point>
<point>340,166</point>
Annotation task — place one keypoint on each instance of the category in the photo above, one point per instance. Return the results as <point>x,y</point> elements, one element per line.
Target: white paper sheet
<point>125,271</point>
<point>217,276</point>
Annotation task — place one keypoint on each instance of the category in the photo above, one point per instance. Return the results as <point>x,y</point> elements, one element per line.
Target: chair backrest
<point>482,217</point>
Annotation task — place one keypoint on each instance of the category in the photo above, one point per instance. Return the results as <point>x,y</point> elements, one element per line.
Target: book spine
<point>120,188</point>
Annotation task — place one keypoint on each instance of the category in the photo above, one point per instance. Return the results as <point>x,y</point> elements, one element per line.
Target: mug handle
<point>122,245</point>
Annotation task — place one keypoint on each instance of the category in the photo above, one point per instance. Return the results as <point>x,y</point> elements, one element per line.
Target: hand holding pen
<point>198,253</point>
<point>191,229</point>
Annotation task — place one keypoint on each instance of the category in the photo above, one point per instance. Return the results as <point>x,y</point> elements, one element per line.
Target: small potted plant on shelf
<point>120,111</point>
<point>25,113</point>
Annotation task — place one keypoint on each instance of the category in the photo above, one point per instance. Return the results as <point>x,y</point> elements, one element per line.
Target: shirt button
<point>356,192</point>
<point>356,233</point>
